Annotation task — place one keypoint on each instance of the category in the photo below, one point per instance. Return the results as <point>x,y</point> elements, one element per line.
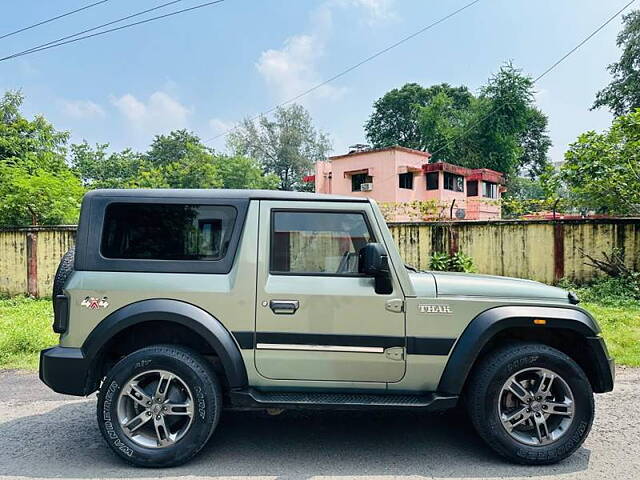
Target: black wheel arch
<point>560,323</point>
<point>203,324</point>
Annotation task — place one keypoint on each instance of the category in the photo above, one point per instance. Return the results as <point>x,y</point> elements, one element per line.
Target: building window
<point>490,190</point>
<point>358,179</point>
<point>453,182</point>
<point>432,180</point>
<point>405,180</point>
<point>317,243</point>
<point>472,188</point>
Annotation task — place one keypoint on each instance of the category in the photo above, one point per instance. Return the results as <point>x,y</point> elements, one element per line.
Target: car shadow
<point>65,442</point>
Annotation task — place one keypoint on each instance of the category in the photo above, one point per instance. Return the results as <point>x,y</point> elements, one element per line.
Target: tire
<point>193,379</point>
<point>64,270</point>
<point>523,439</point>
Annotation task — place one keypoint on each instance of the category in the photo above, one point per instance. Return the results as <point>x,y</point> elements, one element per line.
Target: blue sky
<point>205,70</point>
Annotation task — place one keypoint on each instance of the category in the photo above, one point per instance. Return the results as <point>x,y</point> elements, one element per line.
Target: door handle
<point>284,307</point>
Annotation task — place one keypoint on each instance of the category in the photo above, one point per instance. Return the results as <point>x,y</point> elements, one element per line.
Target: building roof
<point>197,193</point>
<point>385,149</point>
<point>485,174</point>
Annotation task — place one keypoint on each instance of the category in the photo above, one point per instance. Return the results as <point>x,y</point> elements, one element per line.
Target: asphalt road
<point>46,435</point>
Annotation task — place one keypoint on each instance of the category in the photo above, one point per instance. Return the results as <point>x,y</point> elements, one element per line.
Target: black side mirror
<point>373,261</point>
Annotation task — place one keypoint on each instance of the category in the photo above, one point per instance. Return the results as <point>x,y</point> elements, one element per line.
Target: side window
<point>358,179</point>
<point>432,180</point>
<point>453,182</point>
<point>151,231</point>
<point>324,243</point>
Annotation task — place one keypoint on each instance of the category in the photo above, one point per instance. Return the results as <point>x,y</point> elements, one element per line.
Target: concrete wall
<point>540,250</point>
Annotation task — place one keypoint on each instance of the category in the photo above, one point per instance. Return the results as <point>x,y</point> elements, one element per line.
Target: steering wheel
<point>344,263</point>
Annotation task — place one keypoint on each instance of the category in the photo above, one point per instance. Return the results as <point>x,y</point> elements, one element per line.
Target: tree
<point>243,172</point>
<point>36,185</point>
<point>99,169</point>
<point>603,169</point>
<point>499,129</point>
<point>396,115</point>
<point>287,146</point>
<point>622,95</point>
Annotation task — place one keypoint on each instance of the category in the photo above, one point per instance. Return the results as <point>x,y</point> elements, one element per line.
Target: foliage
<point>395,119</point>
<point>25,329</point>
<point>287,146</point>
<point>499,129</point>
<point>622,95</point>
<point>176,160</point>
<point>36,185</point>
<point>602,170</point>
<point>458,262</point>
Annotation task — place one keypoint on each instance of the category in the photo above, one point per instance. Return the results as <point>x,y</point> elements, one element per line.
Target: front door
<point>317,318</point>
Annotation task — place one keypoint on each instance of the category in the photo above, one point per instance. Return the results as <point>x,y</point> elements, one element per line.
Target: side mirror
<point>373,261</point>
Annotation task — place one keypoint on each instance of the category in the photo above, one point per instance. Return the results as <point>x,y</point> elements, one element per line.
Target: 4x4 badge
<point>436,308</point>
<point>93,303</point>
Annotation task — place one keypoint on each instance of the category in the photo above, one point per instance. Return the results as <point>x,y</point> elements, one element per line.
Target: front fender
<point>190,316</point>
<point>490,322</point>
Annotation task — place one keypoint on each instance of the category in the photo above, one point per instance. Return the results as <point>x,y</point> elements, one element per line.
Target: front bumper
<point>603,364</point>
<point>64,370</point>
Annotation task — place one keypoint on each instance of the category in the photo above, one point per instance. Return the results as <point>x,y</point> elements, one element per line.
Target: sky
<point>207,69</point>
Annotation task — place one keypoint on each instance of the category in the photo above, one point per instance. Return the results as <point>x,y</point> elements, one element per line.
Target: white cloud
<point>219,126</point>
<point>293,69</point>
<point>159,114</point>
<point>81,109</point>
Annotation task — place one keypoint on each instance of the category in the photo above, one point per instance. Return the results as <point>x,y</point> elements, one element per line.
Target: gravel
<point>46,435</point>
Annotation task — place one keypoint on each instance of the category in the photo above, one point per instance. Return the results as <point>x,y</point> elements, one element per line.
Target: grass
<point>25,324</point>
<point>25,329</point>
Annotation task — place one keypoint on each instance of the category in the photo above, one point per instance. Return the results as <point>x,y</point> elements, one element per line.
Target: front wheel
<point>531,403</point>
<point>159,405</point>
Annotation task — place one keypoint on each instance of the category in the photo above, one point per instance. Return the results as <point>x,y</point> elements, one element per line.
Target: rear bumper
<point>64,370</point>
<point>603,364</point>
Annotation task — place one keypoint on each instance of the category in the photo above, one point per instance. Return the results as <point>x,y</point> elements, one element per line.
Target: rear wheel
<point>159,405</point>
<point>531,403</point>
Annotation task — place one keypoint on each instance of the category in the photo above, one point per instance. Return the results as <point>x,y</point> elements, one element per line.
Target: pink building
<point>409,188</point>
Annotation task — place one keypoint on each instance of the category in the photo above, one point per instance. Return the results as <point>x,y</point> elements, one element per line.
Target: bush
<point>609,291</point>
<point>458,262</point>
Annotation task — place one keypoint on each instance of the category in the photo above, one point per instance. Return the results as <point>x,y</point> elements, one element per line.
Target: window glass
<point>490,190</point>
<point>472,188</point>
<point>167,231</point>
<point>358,179</point>
<point>405,180</point>
<point>432,181</point>
<point>453,182</point>
<point>317,242</point>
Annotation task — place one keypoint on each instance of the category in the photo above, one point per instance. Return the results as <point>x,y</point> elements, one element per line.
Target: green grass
<point>25,325</point>
<point>25,329</point>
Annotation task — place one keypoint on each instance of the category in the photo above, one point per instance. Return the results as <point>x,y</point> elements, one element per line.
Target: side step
<point>253,398</point>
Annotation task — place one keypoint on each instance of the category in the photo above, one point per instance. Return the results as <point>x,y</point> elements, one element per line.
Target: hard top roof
<point>196,193</point>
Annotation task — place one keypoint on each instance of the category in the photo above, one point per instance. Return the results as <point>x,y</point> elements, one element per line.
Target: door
<point>317,318</point>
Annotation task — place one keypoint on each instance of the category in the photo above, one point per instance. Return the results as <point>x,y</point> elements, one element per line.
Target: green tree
<point>243,172</point>
<point>36,185</point>
<point>287,146</point>
<point>397,119</point>
<point>99,169</point>
<point>500,129</point>
<point>602,170</point>
<point>622,95</point>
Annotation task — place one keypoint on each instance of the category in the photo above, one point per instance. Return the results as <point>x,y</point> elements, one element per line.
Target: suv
<point>178,304</point>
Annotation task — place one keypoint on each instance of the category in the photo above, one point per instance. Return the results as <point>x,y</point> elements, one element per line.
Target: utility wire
<point>60,40</point>
<point>353,67</point>
<point>60,43</point>
<point>52,19</point>
<point>542,75</point>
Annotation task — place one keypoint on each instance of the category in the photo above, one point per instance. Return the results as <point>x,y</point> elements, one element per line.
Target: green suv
<point>178,304</point>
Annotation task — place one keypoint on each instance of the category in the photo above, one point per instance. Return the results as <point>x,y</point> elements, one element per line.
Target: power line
<point>52,19</point>
<point>353,67</point>
<point>542,75</point>
<point>60,40</point>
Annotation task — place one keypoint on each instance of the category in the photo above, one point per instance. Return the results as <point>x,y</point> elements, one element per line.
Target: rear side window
<point>167,231</point>
<point>317,243</point>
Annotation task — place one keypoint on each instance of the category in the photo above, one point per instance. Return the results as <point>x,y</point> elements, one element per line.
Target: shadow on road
<point>65,442</point>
